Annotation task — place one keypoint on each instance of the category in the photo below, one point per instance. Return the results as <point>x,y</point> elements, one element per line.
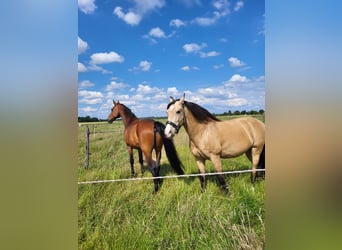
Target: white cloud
<point>260,79</point>
<point>188,68</point>
<point>143,66</point>
<point>236,102</point>
<point>209,54</point>
<point>86,83</point>
<point>157,32</point>
<point>146,89</point>
<point>176,23</point>
<point>223,40</point>
<point>144,6</point>
<point>185,68</point>
<point>204,21</point>
<point>238,78</point>
<point>261,26</point>
<point>190,3</point>
<point>115,85</point>
<point>94,67</point>
<point>172,91</point>
<point>234,62</point>
<point>90,97</point>
<point>82,46</point>
<point>90,94</point>
<point>193,47</point>
<point>81,67</point>
<point>207,91</point>
<point>88,109</point>
<point>140,8</point>
<point>130,17</point>
<point>87,6</point>
<point>221,10</point>
<point>91,101</point>
<point>221,4</point>
<point>238,5</point>
<point>102,58</point>
<point>218,66</point>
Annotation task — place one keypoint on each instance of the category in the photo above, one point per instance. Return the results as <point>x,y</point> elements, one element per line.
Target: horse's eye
<point>178,112</point>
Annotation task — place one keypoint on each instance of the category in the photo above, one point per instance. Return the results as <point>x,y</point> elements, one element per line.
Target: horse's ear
<point>182,99</point>
<point>114,102</point>
<point>171,99</point>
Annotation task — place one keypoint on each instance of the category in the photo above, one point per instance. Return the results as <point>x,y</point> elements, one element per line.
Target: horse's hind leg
<point>256,152</point>
<point>141,161</point>
<point>158,151</point>
<point>153,168</point>
<point>250,158</point>
<point>131,160</point>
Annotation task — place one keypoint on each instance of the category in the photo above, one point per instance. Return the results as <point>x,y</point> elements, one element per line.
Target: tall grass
<point>126,215</point>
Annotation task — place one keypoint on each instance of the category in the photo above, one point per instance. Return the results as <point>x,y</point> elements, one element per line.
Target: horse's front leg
<point>131,159</point>
<point>201,167</point>
<point>200,163</point>
<point>218,166</point>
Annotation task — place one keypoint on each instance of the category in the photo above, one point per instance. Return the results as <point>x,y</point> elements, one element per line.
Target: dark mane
<point>201,114</point>
<point>128,111</point>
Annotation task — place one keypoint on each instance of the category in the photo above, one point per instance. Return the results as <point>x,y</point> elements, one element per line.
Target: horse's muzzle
<point>172,124</point>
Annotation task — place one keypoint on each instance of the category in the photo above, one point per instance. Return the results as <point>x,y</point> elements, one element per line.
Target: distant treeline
<point>90,119</point>
<point>243,112</point>
<point>237,112</point>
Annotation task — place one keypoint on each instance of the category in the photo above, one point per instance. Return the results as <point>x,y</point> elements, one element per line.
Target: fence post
<point>87,148</point>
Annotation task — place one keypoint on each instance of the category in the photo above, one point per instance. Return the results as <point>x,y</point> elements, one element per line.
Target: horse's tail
<point>261,164</point>
<point>170,148</point>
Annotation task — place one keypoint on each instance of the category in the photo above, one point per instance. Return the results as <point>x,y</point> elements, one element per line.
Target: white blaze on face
<point>175,115</point>
<point>169,130</point>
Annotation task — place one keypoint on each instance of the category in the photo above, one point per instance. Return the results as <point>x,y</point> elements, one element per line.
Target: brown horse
<point>145,135</point>
<point>212,139</point>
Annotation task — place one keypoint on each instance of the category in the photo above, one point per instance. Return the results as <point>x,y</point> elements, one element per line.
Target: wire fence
<point>87,153</point>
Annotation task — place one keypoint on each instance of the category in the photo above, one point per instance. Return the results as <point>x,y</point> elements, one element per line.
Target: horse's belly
<point>234,150</point>
<point>230,154</point>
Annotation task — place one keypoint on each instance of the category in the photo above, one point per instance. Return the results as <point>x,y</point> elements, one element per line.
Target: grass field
<point>126,215</point>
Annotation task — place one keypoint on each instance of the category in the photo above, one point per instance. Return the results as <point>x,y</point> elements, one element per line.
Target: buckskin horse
<point>145,135</point>
<point>213,139</point>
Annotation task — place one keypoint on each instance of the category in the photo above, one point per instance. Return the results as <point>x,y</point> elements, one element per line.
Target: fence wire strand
<point>168,177</point>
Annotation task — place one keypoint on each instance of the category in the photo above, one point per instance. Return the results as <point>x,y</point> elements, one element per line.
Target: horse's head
<point>175,116</point>
<point>115,112</point>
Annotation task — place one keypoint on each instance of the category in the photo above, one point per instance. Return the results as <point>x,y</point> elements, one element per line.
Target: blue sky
<point>140,52</point>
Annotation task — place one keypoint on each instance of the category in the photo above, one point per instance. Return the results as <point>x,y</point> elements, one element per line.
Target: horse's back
<point>240,133</point>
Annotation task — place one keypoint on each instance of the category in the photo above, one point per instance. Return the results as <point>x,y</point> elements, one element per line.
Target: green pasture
<point>126,215</point>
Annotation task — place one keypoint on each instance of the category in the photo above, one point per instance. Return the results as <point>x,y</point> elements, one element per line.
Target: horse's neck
<point>128,119</point>
<point>193,127</point>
